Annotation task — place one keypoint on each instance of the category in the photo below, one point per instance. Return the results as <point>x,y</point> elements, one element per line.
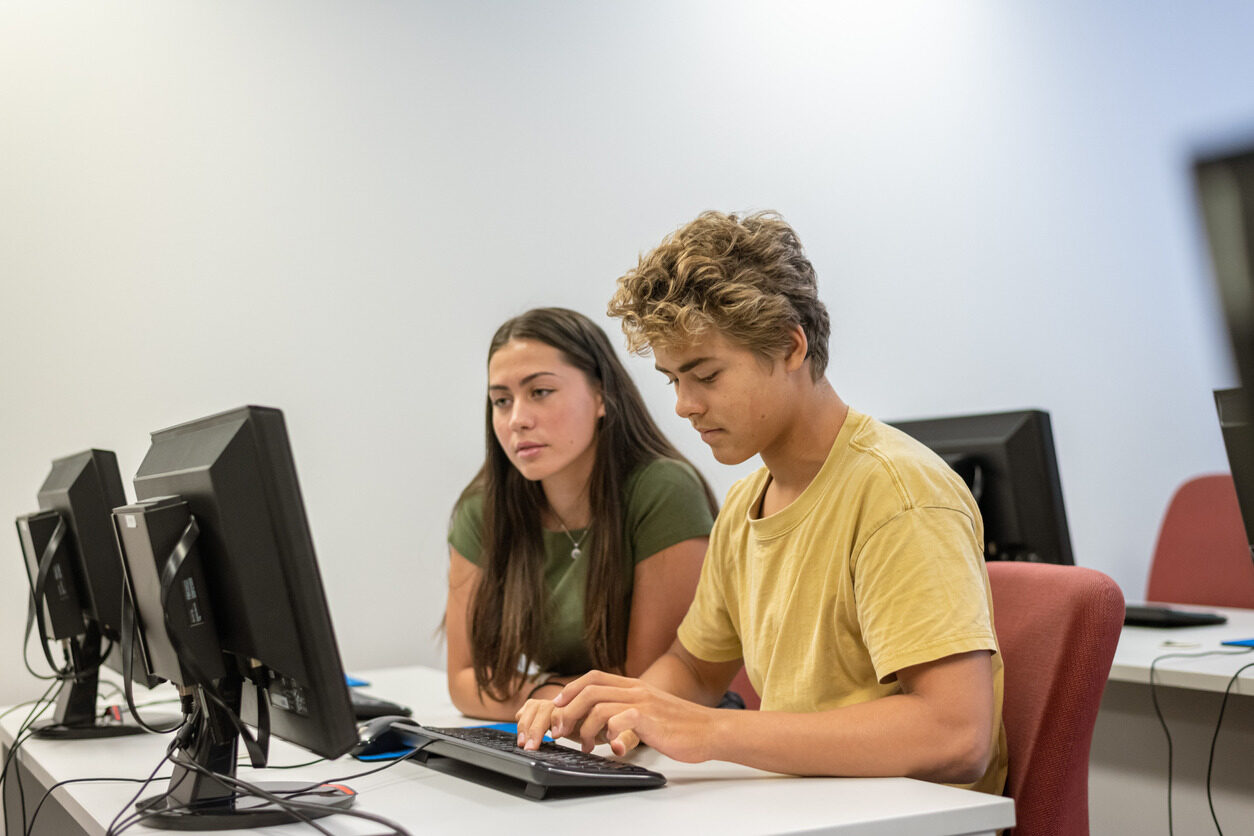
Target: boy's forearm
<point>891,736</point>
<point>676,675</point>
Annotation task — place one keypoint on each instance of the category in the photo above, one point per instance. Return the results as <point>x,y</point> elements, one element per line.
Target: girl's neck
<point>566,495</point>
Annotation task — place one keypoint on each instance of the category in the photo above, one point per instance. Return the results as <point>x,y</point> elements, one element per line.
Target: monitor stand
<point>196,799</point>
<point>76,717</point>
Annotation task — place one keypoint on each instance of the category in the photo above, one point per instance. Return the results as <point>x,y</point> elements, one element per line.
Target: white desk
<point>713,797</point>
<point>1128,763</point>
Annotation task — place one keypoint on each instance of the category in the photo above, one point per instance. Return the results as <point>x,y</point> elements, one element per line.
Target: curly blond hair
<point>747,277</point>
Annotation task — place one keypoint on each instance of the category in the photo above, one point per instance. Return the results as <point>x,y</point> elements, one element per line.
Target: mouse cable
<point>346,778</point>
<point>1162,721</point>
<point>246,762</point>
<point>1210,761</point>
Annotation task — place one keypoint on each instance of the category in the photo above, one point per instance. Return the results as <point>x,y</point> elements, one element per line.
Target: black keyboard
<point>550,766</point>
<point>1138,615</point>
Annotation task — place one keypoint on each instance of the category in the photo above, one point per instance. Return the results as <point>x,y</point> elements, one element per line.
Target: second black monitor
<point>1008,461</point>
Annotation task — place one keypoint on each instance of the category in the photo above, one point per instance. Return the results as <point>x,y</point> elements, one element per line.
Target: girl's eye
<point>540,393</point>
<point>500,403</point>
<point>709,379</point>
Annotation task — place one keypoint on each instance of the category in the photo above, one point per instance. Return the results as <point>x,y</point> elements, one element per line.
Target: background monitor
<point>81,595</point>
<point>1008,461</point>
<point>235,476</point>
<point>1236,421</point>
<point>1225,189</point>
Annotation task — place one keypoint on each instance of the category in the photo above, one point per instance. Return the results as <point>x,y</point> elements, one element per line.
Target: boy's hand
<point>600,707</point>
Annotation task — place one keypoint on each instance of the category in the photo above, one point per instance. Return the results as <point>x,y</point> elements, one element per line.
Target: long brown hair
<point>507,613</point>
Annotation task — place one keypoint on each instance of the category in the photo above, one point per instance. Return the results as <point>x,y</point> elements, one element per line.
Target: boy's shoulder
<point>900,470</point>
<point>873,470</point>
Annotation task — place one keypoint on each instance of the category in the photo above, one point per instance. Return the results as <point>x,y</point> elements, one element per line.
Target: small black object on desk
<point>1146,615</point>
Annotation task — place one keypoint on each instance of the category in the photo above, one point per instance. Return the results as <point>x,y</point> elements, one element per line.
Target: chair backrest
<point>1203,554</point>
<point>1057,627</point>
<point>742,687</point>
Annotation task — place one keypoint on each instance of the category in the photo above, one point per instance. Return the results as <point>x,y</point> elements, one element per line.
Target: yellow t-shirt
<point>878,565</point>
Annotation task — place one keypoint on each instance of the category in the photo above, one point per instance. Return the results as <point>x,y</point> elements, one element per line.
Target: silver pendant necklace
<point>575,551</point>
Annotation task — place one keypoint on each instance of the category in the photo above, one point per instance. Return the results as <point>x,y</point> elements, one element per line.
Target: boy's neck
<point>797,455</point>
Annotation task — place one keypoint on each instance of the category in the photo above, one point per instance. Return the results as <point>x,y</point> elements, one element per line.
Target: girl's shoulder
<point>664,475</point>
<point>465,525</point>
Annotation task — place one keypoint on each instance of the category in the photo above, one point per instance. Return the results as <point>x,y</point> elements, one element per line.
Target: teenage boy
<point>846,575</point>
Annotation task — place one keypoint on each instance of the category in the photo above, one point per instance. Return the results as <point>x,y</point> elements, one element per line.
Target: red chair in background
<point>1057,627</point>
<point>1203,554</point>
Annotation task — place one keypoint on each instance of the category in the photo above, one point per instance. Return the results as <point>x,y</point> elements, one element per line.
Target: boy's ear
<point>798,348</point>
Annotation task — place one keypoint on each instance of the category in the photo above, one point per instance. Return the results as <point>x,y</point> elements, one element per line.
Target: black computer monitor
<point>1236,422</point>
<point>1008,461</point>
<point>1225,189</point>
<point>76,582</point>
<point>230,606</point>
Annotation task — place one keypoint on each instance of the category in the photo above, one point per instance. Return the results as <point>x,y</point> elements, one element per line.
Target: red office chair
<point>1203,555</point>
<point>742,687</point>
<point>1057,627</point>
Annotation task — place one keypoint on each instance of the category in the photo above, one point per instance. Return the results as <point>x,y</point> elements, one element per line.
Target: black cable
<point>30,829</point>
<point>151,777</point>
<point>1210,761</point>
<point>26,661</point>
<point>376,769</point>
<point>287,766</point>
<point>292,805</point>
<point>1163,722</point>
<point>23,733</point>
<point>165,701</point>
<point>22,705</point>
<point>235,785</point>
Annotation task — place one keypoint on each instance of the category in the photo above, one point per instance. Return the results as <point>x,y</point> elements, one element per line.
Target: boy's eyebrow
<point>686,367</point>
<point>522,382</point>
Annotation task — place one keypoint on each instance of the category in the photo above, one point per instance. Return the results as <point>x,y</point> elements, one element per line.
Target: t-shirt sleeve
<point>922,591</point>
<point>666,504</point>
<point>465,529</point>
<point>709,630</point>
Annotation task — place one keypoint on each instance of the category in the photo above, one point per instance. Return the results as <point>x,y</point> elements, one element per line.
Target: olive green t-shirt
<point>877,566</point>
<point>664,503</point>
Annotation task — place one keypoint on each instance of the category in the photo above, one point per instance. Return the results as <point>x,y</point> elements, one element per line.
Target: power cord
<point>152,776</point>
<point>1210,761</point>
<point>1167,732</point>
<point>23,733</point>
<point>284,800</point>
<point>30,829</point>
<point>22,705</point>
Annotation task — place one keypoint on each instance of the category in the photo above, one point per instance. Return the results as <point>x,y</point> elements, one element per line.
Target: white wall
<point>329,206</point>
